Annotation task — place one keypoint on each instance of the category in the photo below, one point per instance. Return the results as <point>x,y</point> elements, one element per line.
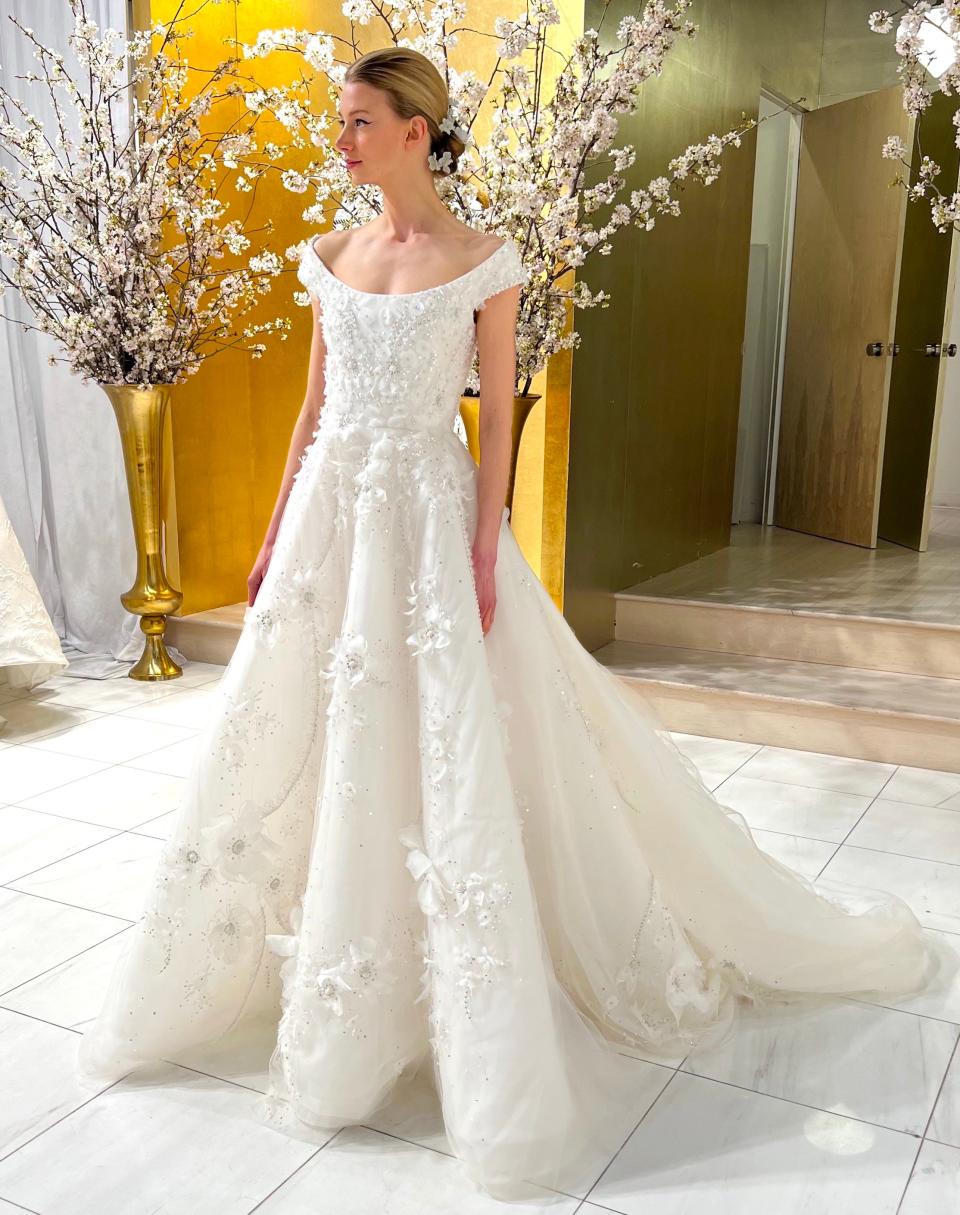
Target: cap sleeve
<point>308,272</point>
<point>503,269</point>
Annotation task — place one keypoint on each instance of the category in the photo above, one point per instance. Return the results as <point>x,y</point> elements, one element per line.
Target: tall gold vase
<point>470,412</point>
<point>140,414</point>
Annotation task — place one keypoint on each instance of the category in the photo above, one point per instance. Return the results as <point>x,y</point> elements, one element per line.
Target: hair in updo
<point>413,85</point>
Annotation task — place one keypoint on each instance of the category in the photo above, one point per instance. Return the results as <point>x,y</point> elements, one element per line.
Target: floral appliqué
<point>433,624</point>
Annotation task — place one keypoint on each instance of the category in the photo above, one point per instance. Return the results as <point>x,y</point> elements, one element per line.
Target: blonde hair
<point>413,85</point>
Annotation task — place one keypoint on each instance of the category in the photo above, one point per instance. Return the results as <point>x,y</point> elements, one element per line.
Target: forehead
<point>359,98</point>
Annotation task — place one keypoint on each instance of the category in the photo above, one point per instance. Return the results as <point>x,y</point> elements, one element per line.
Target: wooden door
<point>924,310</point>
<point>843,293</point>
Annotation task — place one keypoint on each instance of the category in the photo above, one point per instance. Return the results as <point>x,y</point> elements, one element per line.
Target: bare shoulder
<point>478,245</point>
<point>330,244</point>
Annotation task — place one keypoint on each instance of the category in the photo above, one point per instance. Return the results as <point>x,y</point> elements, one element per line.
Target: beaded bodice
<point>402,360</point>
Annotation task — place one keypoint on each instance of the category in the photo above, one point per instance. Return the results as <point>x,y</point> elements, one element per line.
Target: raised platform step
<point>209,636</point>
<point>877,643</point>
<point>838,710</point>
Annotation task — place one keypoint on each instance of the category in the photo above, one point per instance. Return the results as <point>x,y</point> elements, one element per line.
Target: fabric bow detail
<point>431,892</point>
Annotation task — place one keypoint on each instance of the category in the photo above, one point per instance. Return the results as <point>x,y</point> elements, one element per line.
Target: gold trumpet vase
<point>470,413</point>
<point>140,416</point>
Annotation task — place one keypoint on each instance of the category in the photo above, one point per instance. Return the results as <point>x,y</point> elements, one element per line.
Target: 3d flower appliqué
<point>350,659</point>
<point>233,930</point>
<point>242,850</point>
<point>361,970</point>
<point>432,623</point>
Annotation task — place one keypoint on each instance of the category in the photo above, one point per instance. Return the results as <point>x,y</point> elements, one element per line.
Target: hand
<point>484,561</point>
<point>260,567</point>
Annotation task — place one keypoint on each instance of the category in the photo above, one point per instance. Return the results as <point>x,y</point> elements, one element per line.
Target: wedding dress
<point>413,848</point>
<point>30,650</point>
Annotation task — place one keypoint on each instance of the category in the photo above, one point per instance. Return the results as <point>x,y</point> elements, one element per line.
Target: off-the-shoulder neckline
<point>388,295</point>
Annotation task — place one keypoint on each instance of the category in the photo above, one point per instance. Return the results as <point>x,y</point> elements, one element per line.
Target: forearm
<point>492,480</point>
<point>302,436</point>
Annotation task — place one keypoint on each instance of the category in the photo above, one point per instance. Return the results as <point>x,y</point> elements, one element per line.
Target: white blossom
<point>927,40</point>
<point>138,294</point>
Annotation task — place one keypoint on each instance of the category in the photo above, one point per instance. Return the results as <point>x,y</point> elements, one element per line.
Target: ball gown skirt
<point>411,849</point>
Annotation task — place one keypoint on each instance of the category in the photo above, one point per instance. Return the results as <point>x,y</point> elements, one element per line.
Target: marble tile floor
<point>776,568</point>
<point>852,1109</point>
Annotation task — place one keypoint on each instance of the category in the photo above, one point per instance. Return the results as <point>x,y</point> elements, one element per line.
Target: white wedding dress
<point>409,848</point>
<point>30,650</point>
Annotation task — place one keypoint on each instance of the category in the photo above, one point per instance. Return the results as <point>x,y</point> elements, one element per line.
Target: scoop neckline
<point>392,295</point>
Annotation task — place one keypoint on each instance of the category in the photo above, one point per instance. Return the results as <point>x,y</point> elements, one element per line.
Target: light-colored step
<point>837,639</point>
<point>209,636</point>
<point>839,710</point>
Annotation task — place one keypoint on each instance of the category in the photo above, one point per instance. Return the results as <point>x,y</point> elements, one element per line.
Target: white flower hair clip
<point>449,124</point>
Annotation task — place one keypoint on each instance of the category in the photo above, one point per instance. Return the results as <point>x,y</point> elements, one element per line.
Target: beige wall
<point>656,382</point>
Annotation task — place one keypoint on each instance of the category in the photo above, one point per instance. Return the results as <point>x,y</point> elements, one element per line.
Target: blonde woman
<point>427,838</point>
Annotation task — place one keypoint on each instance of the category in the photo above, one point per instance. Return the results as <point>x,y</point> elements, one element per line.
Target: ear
<point>418,132</point>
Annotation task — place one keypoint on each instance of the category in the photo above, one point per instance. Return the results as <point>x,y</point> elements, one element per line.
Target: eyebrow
<point>361,111</point>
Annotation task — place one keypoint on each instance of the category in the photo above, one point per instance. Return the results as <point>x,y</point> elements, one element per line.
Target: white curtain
<point>61,466</point>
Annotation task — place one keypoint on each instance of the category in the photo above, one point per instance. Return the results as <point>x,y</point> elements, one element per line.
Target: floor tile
<point>169,1140</point>
<point>934,1187</point>
<point>25,771</point>
<point>804,855</point>
<point>174,760</point>
<point>877,1064</point>
<point>922,786</point>
<point>39,1088</point>
<point>362,1172</point>
<point>928,832</point>
<point>771,805</point>
<point>38,934</point>
<point>72,993</point>
<point>931,889</point>
<point>715,758</point>
<point>102,695</point>
<point>834,772</point>
<point>30,720</point>
<point>159,828</point>
<point>111,877</point>
<point>119,796</point>
<point>29,840</point>
<point>190,708</point>
<point>113,738</point>
<point>713,1149</point>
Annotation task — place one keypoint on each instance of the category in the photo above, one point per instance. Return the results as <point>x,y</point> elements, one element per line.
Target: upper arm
<point>496,323</point>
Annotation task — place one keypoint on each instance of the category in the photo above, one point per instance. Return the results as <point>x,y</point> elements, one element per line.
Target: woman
<point>426,833</point>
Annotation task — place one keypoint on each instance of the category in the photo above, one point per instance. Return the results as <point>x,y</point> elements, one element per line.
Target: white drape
<point>61,466</point>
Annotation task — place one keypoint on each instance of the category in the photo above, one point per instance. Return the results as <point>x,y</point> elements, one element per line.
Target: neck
<point>412,208</point>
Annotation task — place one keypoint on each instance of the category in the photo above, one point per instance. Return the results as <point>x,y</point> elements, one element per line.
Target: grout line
<point>30,894</point>
<point>63,962</point>
<point>57,1121</point>
<point>858,822</point>
<point>303,1165</point>
<point>631,1134</point>
<point>69,857</point>
<point>806,1105</point>
<point>923,1136</point>
<point>67,1029</point>
<point>19,1206</point>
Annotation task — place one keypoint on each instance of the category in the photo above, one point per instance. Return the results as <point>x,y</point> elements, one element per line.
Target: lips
<point>351,163</point>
